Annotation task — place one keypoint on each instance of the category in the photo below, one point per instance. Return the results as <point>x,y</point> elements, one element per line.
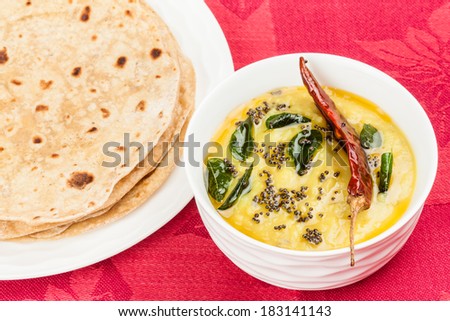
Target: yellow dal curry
<point>316,200</point>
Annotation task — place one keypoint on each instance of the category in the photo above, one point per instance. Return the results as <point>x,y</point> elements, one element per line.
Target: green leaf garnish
<point>303,147</point>
<point>238,190</point>
<point>285,119</point>
<point>219,178</point>
<point>241,143</point>
<point>370,137</point>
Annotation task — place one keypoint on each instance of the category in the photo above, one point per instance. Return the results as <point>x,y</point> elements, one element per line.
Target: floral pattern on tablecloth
<point>409,40</point>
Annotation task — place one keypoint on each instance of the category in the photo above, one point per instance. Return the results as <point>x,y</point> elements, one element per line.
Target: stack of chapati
<point>76,79</point>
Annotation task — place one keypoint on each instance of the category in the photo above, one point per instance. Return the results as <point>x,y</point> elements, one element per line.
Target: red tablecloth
<point>409,40</point>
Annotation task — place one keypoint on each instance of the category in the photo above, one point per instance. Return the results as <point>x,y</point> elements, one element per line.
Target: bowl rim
<point>413,208</point>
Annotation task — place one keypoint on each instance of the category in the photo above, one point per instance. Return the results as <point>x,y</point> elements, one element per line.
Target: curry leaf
<point>239,190</point>
<point>241,143</point>
<point>219,178</point>
<point>302,148</point>
<point>285,119</point>
<point>370,137</point>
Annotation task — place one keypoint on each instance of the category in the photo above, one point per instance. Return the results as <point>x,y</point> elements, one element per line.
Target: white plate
<point>202,40</point>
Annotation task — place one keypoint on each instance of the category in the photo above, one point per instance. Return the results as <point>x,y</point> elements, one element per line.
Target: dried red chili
<point>360,185</point>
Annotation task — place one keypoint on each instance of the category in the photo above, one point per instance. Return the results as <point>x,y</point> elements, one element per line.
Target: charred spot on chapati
<point>3,56</point>
<point>45,84</point>
<point>40,108</point>
<point>121,61</point>
<point>37,140</point>
<point>80,180</point>
<point>76,72</point>
<point>85,14</point>
<point>141,106</point>
<point>155,53</point>
<point>105,112</point>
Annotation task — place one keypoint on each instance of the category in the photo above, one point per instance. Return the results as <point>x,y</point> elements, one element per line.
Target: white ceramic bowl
<point>304,270</point>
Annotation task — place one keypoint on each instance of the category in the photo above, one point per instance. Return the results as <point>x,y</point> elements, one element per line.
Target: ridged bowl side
<point>299,271</point>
